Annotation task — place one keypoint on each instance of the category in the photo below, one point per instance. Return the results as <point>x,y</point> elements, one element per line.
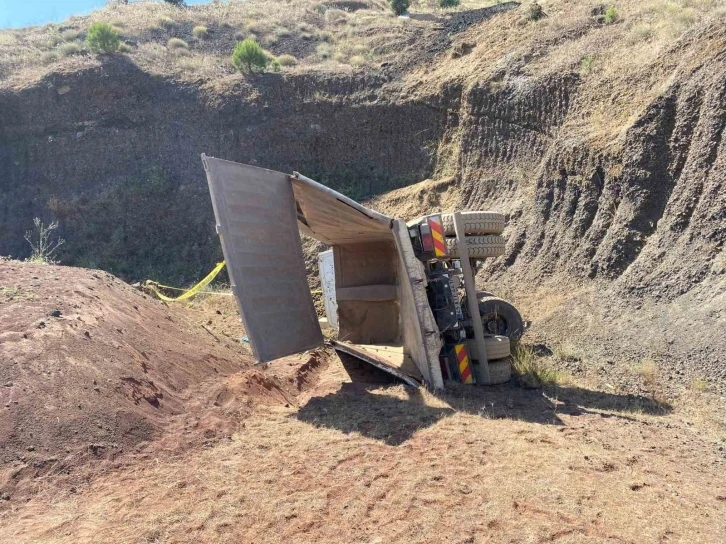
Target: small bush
<point>177,43</point>
<point>357,60</point>
<point>287,60</point>
<point>69,49</point>
<point>124,48</point>
<point>648,371</point>
<point>399,7</point>
<point>102,38</point>
<point>359,49</point>
<point>248,56</point>
<point>587,64</point>
<point>70,35</point>
<point>255,27</point>
<point>535,12</point>
<point>531,372</point>
<point>642,31</point>
<point>275,65</point>
<point>165,22</point>
<point>448,3</point>
<point>699,386</point>
<point>41,243</point>
<point>325,36</point>
<point>48,57</point>
<point>611,15</point>
<point>282,32</point>
<point>200,32</point>
<point>324,50</point>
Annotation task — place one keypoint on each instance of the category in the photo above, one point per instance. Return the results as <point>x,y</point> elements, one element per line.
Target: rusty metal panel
<point>257,225</point>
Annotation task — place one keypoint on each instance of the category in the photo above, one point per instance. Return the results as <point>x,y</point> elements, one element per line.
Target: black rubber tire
<point>479,247</point>
<point>499,317</point>
<point>500,371</point>
<point>475,223</point>
<point>498,347</point>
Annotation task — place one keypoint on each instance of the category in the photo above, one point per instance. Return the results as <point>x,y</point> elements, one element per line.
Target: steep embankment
<point>114,150</point>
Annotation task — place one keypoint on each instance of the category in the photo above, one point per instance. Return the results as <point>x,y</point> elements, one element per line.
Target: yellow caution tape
<point>196,290</point>
<point>152,285</point>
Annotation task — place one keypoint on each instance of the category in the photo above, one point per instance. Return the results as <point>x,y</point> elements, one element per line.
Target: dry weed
<point>532,371</point>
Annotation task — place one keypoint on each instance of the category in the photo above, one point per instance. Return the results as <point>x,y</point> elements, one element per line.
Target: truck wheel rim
<point>495,324</point>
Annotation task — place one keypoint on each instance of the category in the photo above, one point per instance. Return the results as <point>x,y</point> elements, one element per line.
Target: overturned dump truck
<point>404,292</point>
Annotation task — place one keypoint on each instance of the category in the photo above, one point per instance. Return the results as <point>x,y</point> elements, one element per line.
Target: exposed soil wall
<point>114,154</point>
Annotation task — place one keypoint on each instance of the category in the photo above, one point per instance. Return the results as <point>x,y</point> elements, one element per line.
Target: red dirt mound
<point>89,364</point>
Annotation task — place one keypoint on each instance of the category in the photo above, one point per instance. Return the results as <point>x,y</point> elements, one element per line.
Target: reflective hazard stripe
<point>437,233</point>
<point>464,367</point>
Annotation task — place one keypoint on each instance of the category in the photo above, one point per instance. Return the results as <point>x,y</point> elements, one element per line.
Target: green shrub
<point>275,64</point>
<point>611,15</point>
<point>249,56</point>
<point>448,3</point>
<point>177,43</point>
<point>200,32</point>
<point>69,49</point>
<point>102,38</point>
<point>287,60</point>
<point>587,64</point>
<point>535,12</point>
<point>399,7</point>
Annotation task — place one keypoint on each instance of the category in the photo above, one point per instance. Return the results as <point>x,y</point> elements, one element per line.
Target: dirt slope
<point>180,440</point>
<point>373,463</point>
<point>91,367</point>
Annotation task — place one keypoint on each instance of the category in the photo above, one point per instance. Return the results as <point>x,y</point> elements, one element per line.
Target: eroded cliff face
<point>113,154</point>
<point>616,247</point>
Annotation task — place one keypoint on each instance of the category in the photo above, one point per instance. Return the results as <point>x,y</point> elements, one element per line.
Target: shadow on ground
<point>362,406</point>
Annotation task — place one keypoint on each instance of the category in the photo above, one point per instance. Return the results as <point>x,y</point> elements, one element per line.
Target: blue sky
<point>19,13</point>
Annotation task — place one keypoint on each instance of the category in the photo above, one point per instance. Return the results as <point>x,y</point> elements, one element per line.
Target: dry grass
<point>200,32</point>
<point>648,371</point>
<point>533,371</point>
<point>285,27</point>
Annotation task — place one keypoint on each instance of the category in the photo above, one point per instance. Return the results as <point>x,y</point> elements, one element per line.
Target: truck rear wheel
<point>497,347</point>
<point>479,247</point>
<point>475,223</point>
<point>499,317</point>
<point>500,371</point>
